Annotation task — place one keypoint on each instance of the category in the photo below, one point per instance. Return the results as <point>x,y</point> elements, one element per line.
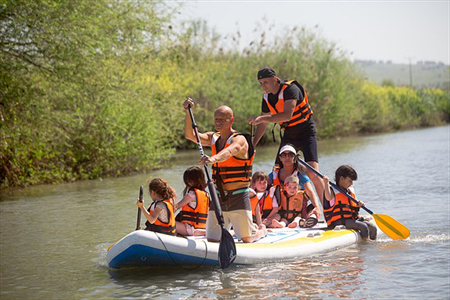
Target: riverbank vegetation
<point>91,89</point>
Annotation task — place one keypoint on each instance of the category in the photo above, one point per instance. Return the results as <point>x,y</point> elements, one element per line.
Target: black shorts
<point>234,200</point>
<point>303,138</point>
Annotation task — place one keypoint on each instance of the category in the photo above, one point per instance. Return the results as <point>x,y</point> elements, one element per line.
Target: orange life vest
<point>159,226</point>
<point>291,207</point>
<point>343,208</point>
<point>196,217</point>
<point>233,169</point>
<point>302,111</point>
<point>276,175</point>
<point>266,201</point>
<point>253,202</point>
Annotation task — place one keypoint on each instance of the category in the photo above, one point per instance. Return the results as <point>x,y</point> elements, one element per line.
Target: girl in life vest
<point>293,206</point>
<point>160,215</point>
<point>195,204</point>
<point>257,192</point>
<point>339,209</point>
<point>265,199</point>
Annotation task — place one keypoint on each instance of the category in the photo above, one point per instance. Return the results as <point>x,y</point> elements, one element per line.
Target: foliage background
<point>92,89</point>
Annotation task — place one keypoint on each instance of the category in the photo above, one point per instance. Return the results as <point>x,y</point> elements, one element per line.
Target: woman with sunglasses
<point>289,166</point>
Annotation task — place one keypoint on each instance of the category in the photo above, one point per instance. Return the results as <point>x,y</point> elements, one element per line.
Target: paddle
<point>141,194</point>
<point>227,247</point>
<point>394,229</point>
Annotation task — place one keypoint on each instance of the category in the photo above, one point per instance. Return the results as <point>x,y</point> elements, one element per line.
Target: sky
<point>397,31</point>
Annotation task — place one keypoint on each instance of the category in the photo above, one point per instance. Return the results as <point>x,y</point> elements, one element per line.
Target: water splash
<point>101,250</point>
<point>430,238</point>
<point>424,239</point>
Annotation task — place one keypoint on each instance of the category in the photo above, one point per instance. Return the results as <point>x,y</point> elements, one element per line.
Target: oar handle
<point>194,126</point>
<point>141,195</point>
<point>211,187</point>
<point>332,184</point>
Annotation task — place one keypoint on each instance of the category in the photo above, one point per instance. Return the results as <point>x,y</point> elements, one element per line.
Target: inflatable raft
<point>143,248</point>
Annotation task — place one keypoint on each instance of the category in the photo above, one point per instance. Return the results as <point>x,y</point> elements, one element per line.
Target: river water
<point>54,238</point>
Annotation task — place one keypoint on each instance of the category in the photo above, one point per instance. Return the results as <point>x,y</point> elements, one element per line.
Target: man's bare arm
<point>260,129</point>
<point>205,138</point>
<point>238,147</point>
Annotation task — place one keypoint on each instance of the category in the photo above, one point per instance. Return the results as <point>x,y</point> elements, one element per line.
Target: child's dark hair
<point>259,176</point>
<point>345,171</point>
<point>162,188</point>
<point>194,177</point>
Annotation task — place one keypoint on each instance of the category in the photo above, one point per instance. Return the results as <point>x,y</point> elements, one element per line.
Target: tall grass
<point>116,109</point>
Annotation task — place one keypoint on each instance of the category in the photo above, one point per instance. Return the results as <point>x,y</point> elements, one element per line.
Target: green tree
<point>64,88</point>
<point>94,88</point>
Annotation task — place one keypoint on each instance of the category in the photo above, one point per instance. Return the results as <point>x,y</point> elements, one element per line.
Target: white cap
<point>287,148</point>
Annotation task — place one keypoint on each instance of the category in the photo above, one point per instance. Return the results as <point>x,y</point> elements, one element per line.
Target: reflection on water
<point>54,238</point>
<point>324,276</point>
<point>331,275</point>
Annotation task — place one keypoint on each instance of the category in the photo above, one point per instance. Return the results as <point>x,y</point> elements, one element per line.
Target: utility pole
<point>410,73</point>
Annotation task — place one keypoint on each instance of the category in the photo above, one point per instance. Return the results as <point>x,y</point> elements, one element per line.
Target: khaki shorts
<point>241,220</point>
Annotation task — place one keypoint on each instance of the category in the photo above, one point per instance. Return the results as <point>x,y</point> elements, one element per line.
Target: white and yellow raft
<point>143,248</point>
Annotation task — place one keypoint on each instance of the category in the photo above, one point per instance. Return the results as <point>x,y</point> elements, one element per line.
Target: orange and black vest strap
<point>266,201</point>
<point>291,207</point>
<point>159,226</point>
<point>302,110</point>
<point>276,175</point>
<point>253,202</point>
<point>196,217</point>
<point>233,169</point>
<point>343,208</point>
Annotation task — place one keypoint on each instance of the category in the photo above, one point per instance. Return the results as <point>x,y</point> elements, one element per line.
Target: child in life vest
<point>257,190</point>
<point>293,206</point>
<point>267,201</point>
<point>160,215</point>
<point>339,209</point>
<point>195,204</point>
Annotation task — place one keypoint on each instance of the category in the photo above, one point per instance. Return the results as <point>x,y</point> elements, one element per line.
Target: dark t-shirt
<point>291,92</point>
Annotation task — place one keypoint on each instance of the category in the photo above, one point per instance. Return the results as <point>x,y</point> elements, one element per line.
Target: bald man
<point>231,159</point>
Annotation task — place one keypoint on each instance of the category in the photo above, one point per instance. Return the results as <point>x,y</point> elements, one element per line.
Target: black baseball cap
<point>266,72</point>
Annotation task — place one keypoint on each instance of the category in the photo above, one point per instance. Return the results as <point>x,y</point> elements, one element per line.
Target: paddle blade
<point>227,249</point>
<point>394,229</point>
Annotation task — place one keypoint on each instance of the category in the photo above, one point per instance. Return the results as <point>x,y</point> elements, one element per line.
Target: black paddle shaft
<point>227,246</point>
<point>141,195</point>
<point>333,184</point>
<point>211,187</point>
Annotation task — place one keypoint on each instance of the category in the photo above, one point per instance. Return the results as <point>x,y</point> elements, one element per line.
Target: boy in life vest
<point>293,206</point>
<point>339,209</point>
<point>195,204</point>
<point>160,215</point>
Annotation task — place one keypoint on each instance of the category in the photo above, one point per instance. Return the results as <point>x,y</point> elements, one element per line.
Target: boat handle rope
<point>183,267</point>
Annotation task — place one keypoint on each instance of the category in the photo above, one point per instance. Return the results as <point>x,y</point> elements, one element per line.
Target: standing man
<point>231,159</point>
<point>286,103</point>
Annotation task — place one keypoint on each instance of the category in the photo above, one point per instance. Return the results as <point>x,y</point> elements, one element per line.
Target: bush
<point>89,91</point>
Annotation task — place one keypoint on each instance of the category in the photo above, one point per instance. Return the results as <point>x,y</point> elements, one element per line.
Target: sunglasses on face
<point>290,154</point>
